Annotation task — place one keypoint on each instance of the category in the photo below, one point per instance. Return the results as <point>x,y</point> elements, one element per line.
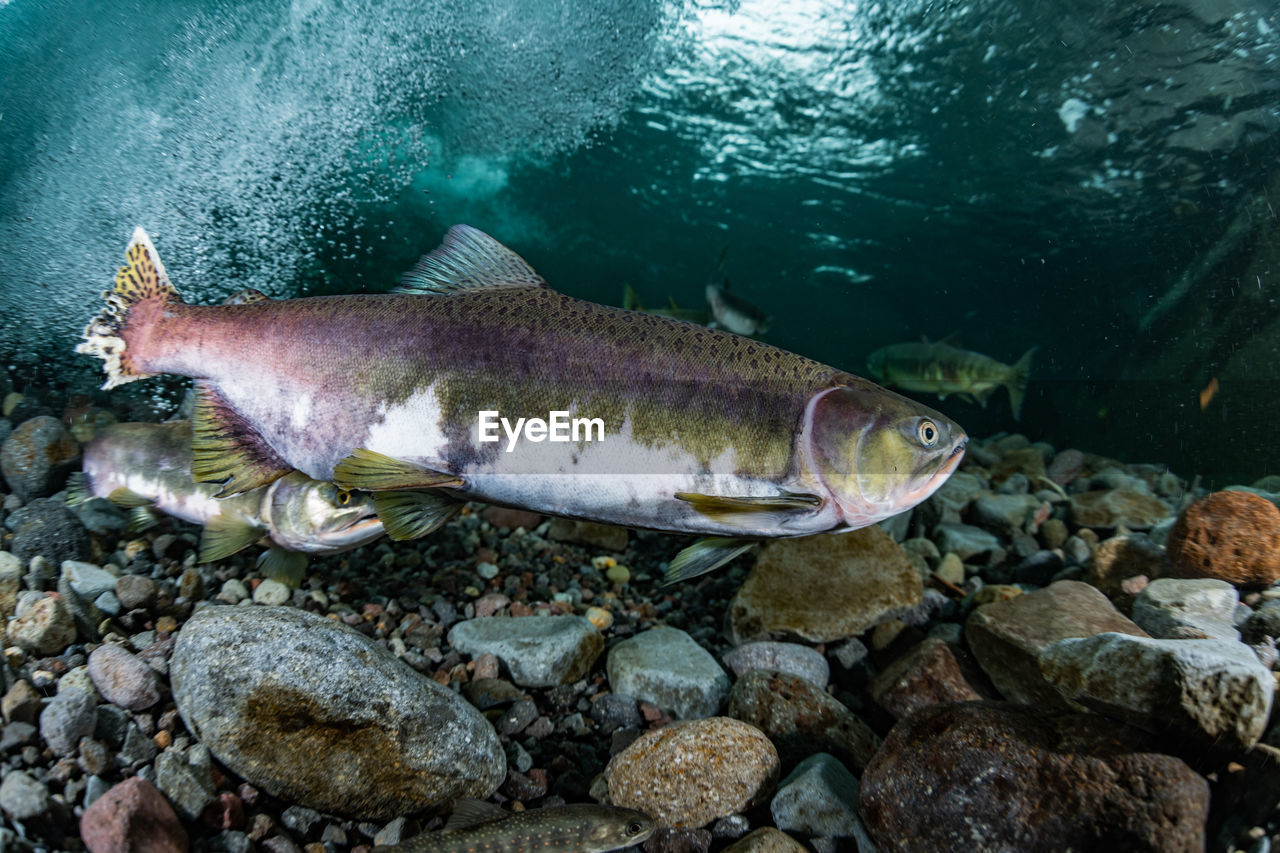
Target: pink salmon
<point>701,431</point>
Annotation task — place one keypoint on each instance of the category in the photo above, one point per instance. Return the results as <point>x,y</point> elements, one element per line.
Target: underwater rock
<point>1023,460</point>
<point>801,719</point>
<point>824,588</point>
<point>1215,691</point>
<point>46,528</point>
<point>37,456</point>
<point>540,651</point>
<point>67,717</point>
<point>1007,636</point>
<point>1119,558</point>
<point>502,516</point>
<point>1004,512</point>
<point>1233,536</point>
<point>122,678</point>
<point>991,776</point>
<point>132,815</point>
<point>818,798</point>
<point>45,626</point>
<point>21,797</point>
<point>693,772</point>
<point>965,540</point>
<point>604,536</point>
<point>951,498</point>
<point>1108,508</point>
<point>1264,624</point>
<point>927,674</point>
<point>314,712</point>
<point>189,787</point>
<point>1187,609</point>
<point>792,658</point>
<point>667,667</point>
<point>766,839</point>
<point>1066,466</point>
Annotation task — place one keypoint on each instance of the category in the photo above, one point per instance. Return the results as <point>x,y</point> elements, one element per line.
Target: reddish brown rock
<point>1233,536</point>
<point>927,674</point>
<point>1115,507</point>
<point>503,516</point>
<point>801,718</point>
<point>1119,559</point>
<point>132,817</point>
<point>1007,636</point>
<point>990,776</point>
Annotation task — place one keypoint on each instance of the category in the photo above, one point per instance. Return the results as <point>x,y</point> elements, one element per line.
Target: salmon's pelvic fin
<point>141,280</point>
<point>226,449</point>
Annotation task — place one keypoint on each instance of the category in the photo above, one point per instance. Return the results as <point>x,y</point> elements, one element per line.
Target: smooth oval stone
<point>316,713</point>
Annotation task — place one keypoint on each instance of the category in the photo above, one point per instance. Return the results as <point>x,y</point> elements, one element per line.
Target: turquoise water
<point>1098,179</point>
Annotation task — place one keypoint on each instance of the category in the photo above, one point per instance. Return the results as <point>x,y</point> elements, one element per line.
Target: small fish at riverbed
<point>937,367</point>
<point>147,466</point>
<point>730,310</point>
<point>480,826</point>
<point>701,431</point>
<point>631,302</point>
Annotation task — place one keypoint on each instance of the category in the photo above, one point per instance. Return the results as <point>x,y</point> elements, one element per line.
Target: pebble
<point>965,540</point>
<point>618,573</point>
<point>993,776</point>
<point>37,456</point>
<point>501,516</point>
<point>1262,625</point>
<point>1007,637</point>
<point>66,718</point>
<point>925,675</point>
<point>690,773</point>
<point>792,658</point>
<point>819,798</point>
<point>1214,691</point>
<point>1110,508</point>
<point>600,617</point>
<point>271,593</point>
<point>190,788</point>
<point>767,839</point>
<point>604,536</point>
<point>137,592</point>
<point>122,678</point>
<point>801,719</point>
<point>132,816</point>
<point>539,651</point>
<point>951,569</point>
<point>613,711</point>
<point>1004,512</point>
<point>233,591</point>
<point>667,667</point>
<point>865,578</point>
<point>1187,609</point>
<point>1120,558</point>
<point>21,703</point>
<point>1053,533</point>
<point>89,581</point>
<point>46,627</point>
<point>1233,536</point>
<point>350,729</point>
<point>22,797</point>
<point>1066,466</point>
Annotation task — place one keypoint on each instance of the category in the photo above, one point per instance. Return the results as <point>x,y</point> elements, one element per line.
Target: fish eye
<point>635,828</point>
<point>927,432</point>
<point>343,498</point>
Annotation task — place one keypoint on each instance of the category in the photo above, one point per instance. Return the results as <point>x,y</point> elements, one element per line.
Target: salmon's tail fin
<point>141,283</point>
<point>1019,373</point>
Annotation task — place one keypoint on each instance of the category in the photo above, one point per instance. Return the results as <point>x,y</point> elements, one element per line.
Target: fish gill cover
<point>1093,179</point>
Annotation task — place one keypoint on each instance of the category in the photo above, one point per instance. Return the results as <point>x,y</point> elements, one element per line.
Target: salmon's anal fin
<point>368,471</point>
<point>227,449</point>
<point>705,555</point>
<point>728,510</point>
<point>224,535</point>
<point>413,514</point>
<point>141,281</point>
<point>468,259</point>
<point>141,519</point>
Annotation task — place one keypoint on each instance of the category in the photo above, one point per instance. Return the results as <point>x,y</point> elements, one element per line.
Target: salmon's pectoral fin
<point>287,567</point>
<point>141,519</point>
<point>225,448</point>
<point>78,489</point>
<point>728,509</point>
<point>468,812</point>
<point>369,471</point>
<point>412,514</point>
<point>128,499</point>
<point>224,535</point>
<point>704,556</point>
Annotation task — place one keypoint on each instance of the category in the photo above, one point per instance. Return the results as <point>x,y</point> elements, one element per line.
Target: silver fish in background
<point>631,302</point>
<point>480,826</point>
<point>147,466</point>
<point>730,311</point>
<point>938,367</point>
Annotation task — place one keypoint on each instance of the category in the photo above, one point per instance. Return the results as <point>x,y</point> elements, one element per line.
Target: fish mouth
<point>935,480</point>
<point>353,535</point>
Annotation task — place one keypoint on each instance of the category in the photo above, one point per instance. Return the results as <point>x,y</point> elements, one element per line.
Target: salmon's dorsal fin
<point>468,813</point>
<point>370,471</point>
<point>631,299</point>
<point>226,449</point>
<point>468,259</point>
<point>248,296</point>
<point>224,535</point>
